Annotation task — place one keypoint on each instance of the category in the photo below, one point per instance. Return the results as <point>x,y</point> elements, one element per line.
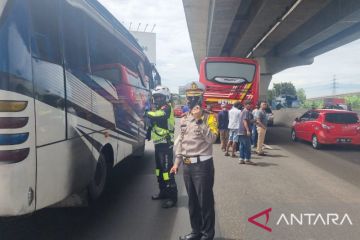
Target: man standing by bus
<point>193,148</point>
<point>234,121</point>
<point>162,133</point>
<point>254,134</point>
<point>245,135</point>
<point>223,121</point>
<point>261,121</point>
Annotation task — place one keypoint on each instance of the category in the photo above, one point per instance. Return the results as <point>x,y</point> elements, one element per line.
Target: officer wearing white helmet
<point>193,148</point>
<point>162,134</point>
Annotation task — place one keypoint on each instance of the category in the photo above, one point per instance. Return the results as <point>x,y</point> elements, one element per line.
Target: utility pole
<point>334,86</point>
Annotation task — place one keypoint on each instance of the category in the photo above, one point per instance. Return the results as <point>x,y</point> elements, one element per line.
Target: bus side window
<point>48,72</point>
<point>75,41</point>
<point>134,79</point>
<point>45,40</point>
<point>112,74</point>
<point>103,52</point>
<point>143,78</point>
<point>15,59</point>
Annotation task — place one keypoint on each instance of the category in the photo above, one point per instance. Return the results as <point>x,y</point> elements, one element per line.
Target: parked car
<point>327,126</point>
<point>178,112</point>
<point>269,116</point>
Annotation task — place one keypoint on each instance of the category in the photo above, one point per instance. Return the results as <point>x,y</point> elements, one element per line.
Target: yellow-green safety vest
<point>161,135</point>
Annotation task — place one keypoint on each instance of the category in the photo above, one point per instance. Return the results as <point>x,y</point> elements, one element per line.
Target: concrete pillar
<point>265,79</point>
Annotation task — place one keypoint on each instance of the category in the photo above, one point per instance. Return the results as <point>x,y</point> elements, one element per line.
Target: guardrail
<point>285,116</point>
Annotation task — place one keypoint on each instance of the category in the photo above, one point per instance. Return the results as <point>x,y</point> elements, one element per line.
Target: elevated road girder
<point>279,33</point>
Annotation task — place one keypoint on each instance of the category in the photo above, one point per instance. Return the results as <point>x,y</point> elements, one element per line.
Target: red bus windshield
<point>233,73</point>
<point>229,79</point>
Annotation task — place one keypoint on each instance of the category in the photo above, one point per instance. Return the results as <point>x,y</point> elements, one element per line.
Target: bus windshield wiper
<point>230,80</point>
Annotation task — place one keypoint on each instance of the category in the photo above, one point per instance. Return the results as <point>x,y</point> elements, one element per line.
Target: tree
<point>301,95</point>
<point>271,95</point>
<point>313,104</point>
<point>354,100</point>
<point>286,88</point>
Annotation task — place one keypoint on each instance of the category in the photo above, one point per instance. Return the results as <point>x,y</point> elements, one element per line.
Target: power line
<point>334,86</point>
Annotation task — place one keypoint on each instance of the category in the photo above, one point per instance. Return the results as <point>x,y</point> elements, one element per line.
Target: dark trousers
<point>254,135</point>
<point>199,182</point>
<point>164,162</point>
<point>245,147</point>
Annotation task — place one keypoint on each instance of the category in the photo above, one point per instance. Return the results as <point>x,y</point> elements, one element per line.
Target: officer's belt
<point>196,159</point>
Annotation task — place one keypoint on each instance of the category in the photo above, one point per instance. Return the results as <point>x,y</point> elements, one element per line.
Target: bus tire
<point>98,183</point>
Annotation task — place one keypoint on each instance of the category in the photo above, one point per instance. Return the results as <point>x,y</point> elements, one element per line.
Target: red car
<point>178,112</point>
<point>327,126</point>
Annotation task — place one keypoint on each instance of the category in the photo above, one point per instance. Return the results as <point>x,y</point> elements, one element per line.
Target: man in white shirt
<point>254,134</point>
<point>234,122</point>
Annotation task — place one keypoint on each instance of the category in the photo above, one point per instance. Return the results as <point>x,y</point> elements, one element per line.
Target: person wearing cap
<point>162,134</point>
<point>193,148</point>
<point>223,121</point>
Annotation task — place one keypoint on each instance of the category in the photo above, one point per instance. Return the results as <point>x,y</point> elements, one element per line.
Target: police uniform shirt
<point>196,139</point>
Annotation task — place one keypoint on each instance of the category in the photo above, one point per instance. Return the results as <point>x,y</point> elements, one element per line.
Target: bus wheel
<point>98,183</point>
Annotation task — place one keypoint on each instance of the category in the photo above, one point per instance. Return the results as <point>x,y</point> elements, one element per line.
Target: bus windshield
<point>230,72</point>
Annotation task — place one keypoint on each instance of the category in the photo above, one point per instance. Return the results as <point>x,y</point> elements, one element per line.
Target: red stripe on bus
<point>13,122</point>
<point>13,156</point>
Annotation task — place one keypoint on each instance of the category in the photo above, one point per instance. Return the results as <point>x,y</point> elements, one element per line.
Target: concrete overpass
<point>279,33</point>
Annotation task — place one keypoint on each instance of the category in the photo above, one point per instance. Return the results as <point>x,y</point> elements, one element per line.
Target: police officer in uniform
<point>193,148</point>
<point>162,134</point>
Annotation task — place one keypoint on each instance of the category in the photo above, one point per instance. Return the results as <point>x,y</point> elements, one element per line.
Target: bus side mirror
<point>297,120</point>
<point>157,79</point>
<point>156,76</point>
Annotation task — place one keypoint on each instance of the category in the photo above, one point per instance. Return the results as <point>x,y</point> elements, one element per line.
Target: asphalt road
<point>293,178</point>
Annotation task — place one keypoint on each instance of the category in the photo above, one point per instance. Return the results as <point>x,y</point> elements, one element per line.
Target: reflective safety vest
<point>159,134</point>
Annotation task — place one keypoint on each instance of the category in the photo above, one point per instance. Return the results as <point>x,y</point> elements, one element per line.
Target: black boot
<point>191,236</point>
<point>168,203</point>
<point>158,196</point>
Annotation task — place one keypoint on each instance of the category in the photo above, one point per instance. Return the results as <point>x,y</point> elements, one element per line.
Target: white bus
<point>74,85</point>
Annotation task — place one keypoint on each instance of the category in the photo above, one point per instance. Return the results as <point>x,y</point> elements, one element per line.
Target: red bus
<point>229,79</point>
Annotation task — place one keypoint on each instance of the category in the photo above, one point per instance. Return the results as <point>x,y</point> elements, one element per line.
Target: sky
<point>175,61</point>
<point>317,79</point>
<point>176,64</point>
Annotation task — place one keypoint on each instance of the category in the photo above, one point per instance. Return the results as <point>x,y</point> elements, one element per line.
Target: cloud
<point>317,79</point>
<point>175,61</point>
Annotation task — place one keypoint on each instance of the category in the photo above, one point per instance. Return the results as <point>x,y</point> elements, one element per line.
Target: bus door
<point>49,94</point>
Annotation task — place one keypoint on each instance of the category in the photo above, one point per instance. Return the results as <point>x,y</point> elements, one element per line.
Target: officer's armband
<point>212,124</point>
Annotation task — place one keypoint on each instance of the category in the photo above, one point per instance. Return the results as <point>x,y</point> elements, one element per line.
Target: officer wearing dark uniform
<point>193,148</point>
<point>162,134</point>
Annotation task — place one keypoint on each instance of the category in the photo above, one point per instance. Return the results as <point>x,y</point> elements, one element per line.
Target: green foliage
<point>288,88</point>
<point>301,95</point>
<point>271,95</point>
<point>313,104</point>
<point>284,88</point>
<point>354,100</point>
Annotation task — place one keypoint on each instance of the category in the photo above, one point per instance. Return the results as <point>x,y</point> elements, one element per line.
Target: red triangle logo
<point>267,214</point>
